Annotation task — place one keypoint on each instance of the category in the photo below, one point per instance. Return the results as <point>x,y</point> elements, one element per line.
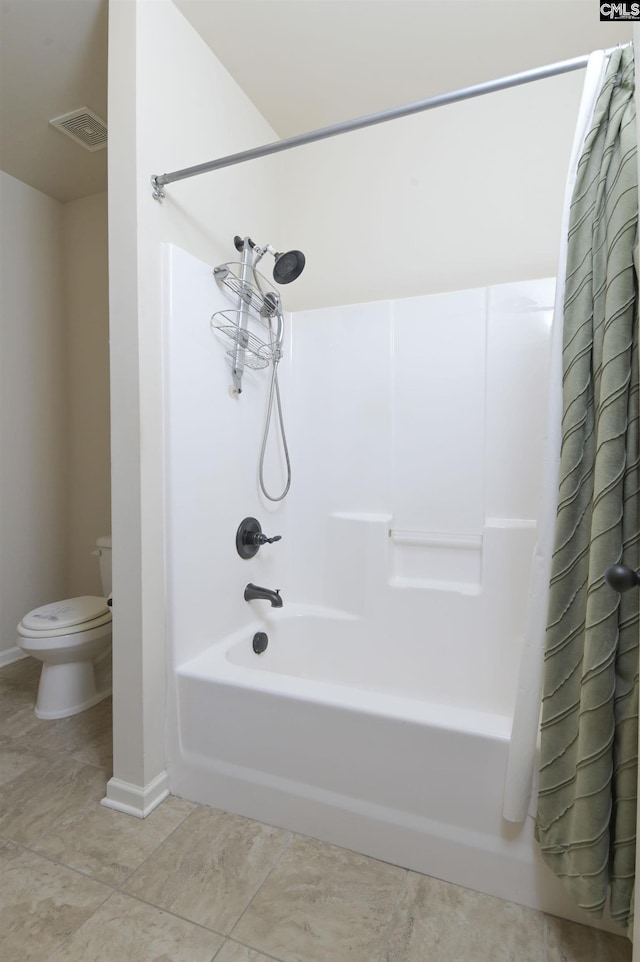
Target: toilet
<point>68,637</point>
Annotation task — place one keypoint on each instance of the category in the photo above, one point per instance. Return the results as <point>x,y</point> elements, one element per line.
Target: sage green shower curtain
<point>586,822</point>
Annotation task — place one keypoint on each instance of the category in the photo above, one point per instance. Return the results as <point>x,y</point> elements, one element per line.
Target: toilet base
<point>70,681</point>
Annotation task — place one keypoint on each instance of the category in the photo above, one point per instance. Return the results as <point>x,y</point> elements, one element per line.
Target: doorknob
<point>621,578</point>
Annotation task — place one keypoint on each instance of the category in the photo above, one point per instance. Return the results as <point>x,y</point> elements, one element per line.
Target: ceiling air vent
<point>84,127</point>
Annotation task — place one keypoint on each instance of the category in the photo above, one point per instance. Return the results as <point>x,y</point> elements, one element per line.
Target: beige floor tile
<point>18,690</point>
<point>16,718</point>
<point>19,680</point>
<point>210,868</point>
<point>32,803</point>
<point>41,904</point>
<point>568,942</point>
<point>234,952</point>
<point>322,904</point>
<point>14,763</point>
<point>438,922</point>
<point>99,752</point>
<point>126,929</point>
<point>86,736</point>
<point>109,845</point>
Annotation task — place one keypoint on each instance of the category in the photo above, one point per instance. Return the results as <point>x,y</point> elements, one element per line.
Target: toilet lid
<point>65,614</point>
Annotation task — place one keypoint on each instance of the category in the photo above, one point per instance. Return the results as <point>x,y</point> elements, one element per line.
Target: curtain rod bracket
<point>158,182</point>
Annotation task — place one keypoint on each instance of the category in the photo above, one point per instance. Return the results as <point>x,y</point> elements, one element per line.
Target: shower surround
<point>379,716</point>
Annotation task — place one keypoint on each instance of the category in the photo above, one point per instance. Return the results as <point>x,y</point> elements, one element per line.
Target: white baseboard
<point>135,799</point>
<point>9,655</point>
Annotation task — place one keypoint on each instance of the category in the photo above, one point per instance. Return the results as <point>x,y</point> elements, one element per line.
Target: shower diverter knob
<point>249,538</point>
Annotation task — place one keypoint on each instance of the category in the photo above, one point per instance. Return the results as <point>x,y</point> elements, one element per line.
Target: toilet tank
<point>103,545</point>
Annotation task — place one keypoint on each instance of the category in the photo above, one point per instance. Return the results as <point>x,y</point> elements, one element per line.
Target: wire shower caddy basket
<point>258,304</point>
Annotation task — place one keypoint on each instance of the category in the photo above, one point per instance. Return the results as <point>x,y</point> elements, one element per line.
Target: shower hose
<point>274,391</point>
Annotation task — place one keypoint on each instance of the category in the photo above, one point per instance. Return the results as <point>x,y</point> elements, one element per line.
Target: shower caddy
<point>257,306</point>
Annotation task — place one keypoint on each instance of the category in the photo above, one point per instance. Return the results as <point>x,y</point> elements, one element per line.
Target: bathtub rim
<point>214,664</point>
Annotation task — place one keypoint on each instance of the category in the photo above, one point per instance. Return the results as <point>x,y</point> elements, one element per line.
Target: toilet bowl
<point>68,637</point>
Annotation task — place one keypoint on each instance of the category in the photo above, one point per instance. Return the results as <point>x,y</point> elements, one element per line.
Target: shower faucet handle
<point>249,538</point>
<point>262,539</point>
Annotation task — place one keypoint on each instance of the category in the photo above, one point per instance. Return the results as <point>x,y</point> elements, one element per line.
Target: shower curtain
<point>586,819</point>
<point>523,751</point>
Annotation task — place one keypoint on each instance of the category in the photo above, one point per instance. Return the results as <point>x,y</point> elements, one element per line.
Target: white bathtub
<point>357,763</point>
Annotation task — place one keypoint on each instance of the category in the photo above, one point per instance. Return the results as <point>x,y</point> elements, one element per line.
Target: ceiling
<point>304,63</point>
<point>53,59</point>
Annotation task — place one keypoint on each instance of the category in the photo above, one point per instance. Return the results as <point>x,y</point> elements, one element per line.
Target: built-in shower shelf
<point>436,539</point>
<point>446,561</point>
<point>433,584</point>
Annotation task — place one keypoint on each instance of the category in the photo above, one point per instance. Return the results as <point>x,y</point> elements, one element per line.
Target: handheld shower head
<point>271,305</point>
<point>288,266</point>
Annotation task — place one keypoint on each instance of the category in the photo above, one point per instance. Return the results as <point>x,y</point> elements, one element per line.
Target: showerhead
<point>288,266</point>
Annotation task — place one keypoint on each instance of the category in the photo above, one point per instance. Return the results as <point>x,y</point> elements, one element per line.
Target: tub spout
<point>266,594</point>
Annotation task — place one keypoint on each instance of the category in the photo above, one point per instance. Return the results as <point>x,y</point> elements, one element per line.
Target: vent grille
<point>84,127</point>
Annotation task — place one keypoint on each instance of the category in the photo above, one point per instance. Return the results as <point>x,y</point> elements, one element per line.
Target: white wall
<point>54,412</point>
<point>34,441</point>
<point>462,196</point>
<point>171,104</point>
<point>86,301</point>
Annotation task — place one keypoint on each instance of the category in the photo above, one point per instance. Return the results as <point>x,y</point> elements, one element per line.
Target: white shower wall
<point>430,409</point>
<point>416,430</point>
<point>213,443</point>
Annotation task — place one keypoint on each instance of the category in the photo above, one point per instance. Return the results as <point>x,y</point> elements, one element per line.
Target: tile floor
<point>82,883</point>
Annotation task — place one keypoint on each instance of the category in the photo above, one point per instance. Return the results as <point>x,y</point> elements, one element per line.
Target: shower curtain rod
<point>158,181</point>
